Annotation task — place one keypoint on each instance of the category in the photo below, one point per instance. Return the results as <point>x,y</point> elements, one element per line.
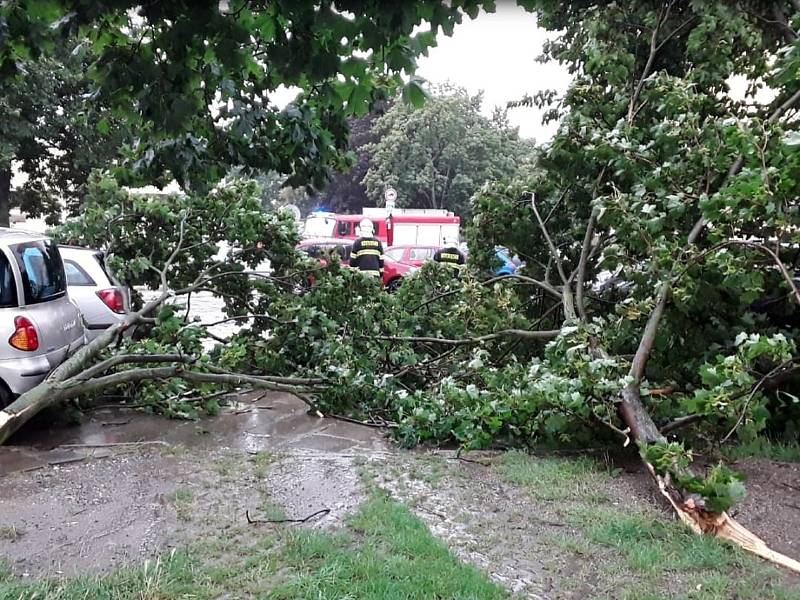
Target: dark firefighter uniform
<point>450,256</point>
<point>367,256</point>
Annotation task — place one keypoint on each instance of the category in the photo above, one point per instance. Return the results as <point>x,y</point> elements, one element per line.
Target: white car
<point>39,326</point>
<point>99,296</point>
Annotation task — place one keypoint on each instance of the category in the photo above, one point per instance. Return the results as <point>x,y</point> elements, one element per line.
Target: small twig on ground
<point>379,425</point>
<point>115,444</point>
<point>432,512</point>
<point>111,406</point>
<point>259,435</point>
<point>64,461</point>
<point>115,423</point>
<point>319,513</point>
<point>471,461</point>
<point>543,522</point>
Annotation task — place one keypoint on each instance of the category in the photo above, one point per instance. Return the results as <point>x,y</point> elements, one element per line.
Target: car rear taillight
<point>25,336</point>
<point>112,298</point>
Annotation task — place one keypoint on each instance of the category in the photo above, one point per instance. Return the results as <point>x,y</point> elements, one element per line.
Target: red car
<point>399,261</point>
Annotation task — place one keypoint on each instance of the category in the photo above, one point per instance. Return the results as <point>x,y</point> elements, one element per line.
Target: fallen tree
<point>677,189</point>
<point>664,213</point>
<point>112,360</point>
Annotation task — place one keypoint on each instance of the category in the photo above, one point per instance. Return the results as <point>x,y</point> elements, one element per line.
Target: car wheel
<point>394,285</point>
<point>5,396</point>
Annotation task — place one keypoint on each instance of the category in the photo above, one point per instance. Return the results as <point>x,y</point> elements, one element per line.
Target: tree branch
<point>545,286</point>
<point>631,406</point>
<point>787,367</point>
<point>566,292</point>
<point>72,388</point>
<point>506,333</point>
<point>681,422</point>
<point>236,318</point>
<point>654,46</point>
<point>584,259</point>
<point>121,359</point>
<point>787,277</point>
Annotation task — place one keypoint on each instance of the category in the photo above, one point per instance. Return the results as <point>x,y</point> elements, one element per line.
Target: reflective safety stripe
<point>453,257</point>
<point>371,272</point>
<point>367,252</point>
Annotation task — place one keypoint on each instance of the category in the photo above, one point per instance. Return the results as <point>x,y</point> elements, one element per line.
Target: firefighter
<point>367,252</point>
<point>450,255</point>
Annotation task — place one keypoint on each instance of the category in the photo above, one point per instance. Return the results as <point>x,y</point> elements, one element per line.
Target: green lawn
<point>633,551</point>
<point>764,448</point>
<point>384,553</point>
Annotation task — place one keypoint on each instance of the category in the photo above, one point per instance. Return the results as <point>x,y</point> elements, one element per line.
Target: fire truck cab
<point>401,226</point>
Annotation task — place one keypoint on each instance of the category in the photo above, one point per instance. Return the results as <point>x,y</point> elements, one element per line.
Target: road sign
<point>390,194</point>
<point>292,210</point>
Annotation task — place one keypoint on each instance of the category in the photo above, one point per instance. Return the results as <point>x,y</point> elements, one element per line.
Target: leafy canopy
<point>47,135</point>
<point>196,79</point>
<point>438,155</point>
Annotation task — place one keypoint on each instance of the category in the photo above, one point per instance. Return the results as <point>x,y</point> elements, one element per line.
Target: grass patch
<point>763,447</point>
<point>651,545</point>
<point>636,548</point>
<point>180,496</point>
<point>226,465</point>
<point>181,499</point>
<point>552,479</point>
<point>385,553</point>
<point>396,558</point>
<point>11,532</point>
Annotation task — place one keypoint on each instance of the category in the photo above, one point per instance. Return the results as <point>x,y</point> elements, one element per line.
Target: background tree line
<point>436,156</point>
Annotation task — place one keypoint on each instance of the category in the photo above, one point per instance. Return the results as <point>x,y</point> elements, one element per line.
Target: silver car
<point>39,325</point>
<point>99,296</point>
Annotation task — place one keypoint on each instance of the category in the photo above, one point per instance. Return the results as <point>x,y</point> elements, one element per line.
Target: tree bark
<point>581,281</point>
<point>5,197</point>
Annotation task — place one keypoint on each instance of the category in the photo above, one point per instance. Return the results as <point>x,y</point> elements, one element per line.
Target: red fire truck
<point>401,226</point>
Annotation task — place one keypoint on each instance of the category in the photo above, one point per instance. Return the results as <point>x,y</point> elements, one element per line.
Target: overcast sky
<point>496,53</point>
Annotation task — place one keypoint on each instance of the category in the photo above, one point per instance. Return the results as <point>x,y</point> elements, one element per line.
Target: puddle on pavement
<point>256,423</point>
<point>103,494</point>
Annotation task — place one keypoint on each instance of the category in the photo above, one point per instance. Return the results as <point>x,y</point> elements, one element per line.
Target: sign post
<point>390,196</point>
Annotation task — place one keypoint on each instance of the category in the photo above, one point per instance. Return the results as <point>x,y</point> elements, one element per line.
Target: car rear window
<point>394,254</point>
<point>42,271</point>
<point>312,251</point>
<point>8,288</point>
<point>76,274</point>
<point>421,253</point>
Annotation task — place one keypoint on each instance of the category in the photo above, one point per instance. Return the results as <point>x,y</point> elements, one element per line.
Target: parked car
<point>508,264</point>
<point>400,261</point>
<point>41,325</point>
<point>321,249</point>
<point>99,296</point>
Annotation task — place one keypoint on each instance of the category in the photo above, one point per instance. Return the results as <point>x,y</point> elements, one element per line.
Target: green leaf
<point>792,138</point>
<point>413,92</point>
